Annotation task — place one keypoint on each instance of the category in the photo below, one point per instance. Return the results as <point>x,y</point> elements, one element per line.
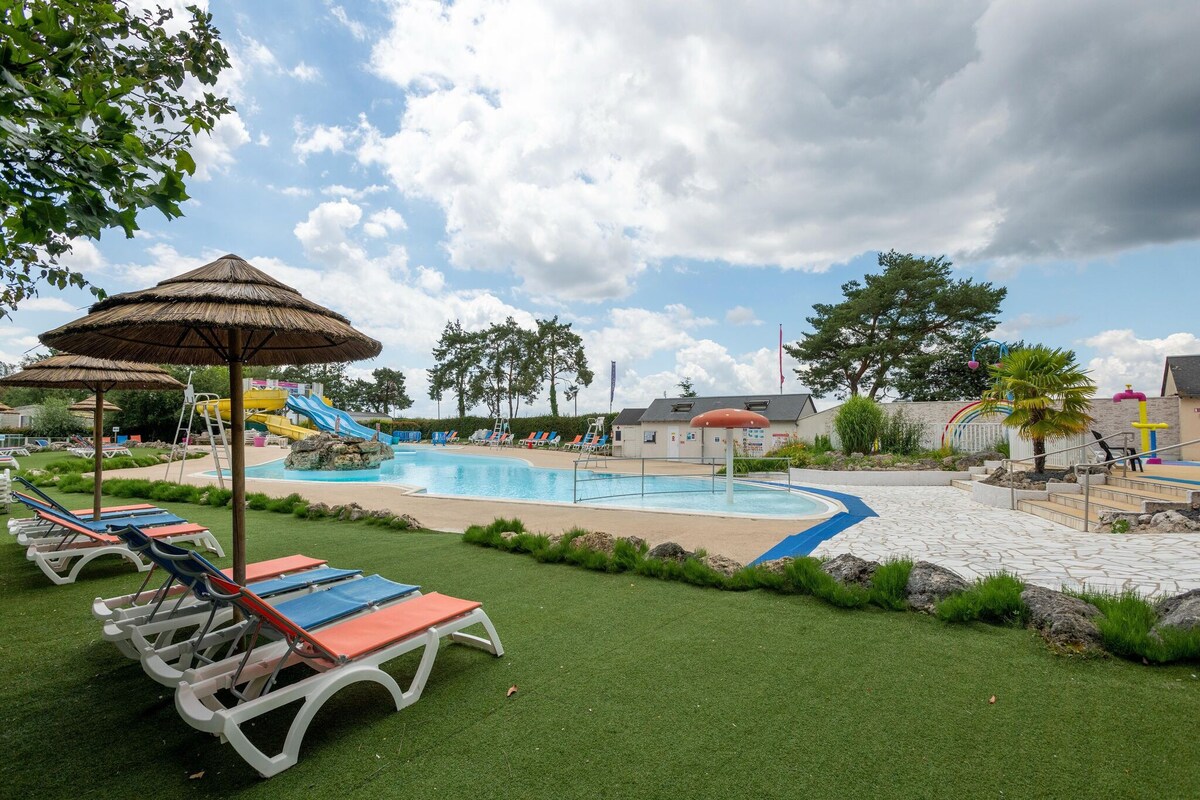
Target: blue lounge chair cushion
<point>300,580</point>
<point>321,608</point>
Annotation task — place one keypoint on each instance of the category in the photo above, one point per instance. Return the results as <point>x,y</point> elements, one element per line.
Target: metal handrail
<point>1008,463</point>
<point>1087,487</point>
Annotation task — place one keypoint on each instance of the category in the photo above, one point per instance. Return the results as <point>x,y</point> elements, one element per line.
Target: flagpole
<point>781,358</point>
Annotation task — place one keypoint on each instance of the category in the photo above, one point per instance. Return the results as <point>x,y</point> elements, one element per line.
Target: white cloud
<point>351,192</point>
<point>356,28</point>
<point>383,222</point>
<point>295,191</point>
<point>573,145</point>
<point>1017,327</point>
<point>318,139</point>
<point>1121,358</point>
<point>263,140</point>
<point>214,151</point>
<point>740,315</point>
<point>305,73</point>
<point>47,304</point>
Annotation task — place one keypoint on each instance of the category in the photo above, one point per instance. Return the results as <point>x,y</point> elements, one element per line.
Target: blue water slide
<point>330,419</point>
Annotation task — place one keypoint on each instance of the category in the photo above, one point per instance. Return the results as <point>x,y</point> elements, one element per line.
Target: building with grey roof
<point>663,430</point>
<point>1181,378</point>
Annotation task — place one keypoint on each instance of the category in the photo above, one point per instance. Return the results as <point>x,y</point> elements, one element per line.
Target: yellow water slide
<point>262,401</point>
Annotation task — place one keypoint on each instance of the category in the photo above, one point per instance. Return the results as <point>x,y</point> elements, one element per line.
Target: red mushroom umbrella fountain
<point>729,418</point>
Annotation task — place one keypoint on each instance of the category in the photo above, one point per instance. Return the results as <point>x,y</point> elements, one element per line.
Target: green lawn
<point>628,687</point>
<point>41,459</point>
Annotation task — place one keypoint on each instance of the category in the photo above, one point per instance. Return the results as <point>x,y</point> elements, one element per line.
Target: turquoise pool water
<point>455,474</point>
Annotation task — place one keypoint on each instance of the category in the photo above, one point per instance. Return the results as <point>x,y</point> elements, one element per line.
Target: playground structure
<point>1149,429</point>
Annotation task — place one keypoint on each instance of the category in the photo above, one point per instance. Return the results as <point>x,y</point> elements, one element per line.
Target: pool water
<point>452,473</point>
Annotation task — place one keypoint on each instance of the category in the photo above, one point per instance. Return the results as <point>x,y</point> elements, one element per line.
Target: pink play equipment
<point>1149,429</point>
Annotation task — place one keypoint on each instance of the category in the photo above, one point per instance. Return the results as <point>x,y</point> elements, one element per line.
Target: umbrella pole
<point>98,443</point>
<point>728,465</point>
<point>237,466</point>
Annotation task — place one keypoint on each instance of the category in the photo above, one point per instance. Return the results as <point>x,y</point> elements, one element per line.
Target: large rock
<point>1173,522</point>
<point>595,540</point>
<point>1064,621</point>
<point>776,566</point>
<point>1181,611</point>
<point>669,551</point>
<point>722,564</point>
<point>929,584</point>
<point>847,568</point>
<point>327,452</point>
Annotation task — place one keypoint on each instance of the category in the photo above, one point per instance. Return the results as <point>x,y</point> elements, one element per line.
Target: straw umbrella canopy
<point>90,403</point>
<point>225,312</point>
<point>5,409</point>
<point>98,375</point>
<point>729,418</point>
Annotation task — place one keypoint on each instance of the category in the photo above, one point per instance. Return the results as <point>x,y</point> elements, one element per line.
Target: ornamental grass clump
<point>858,424</point>
<point>889,584</point>
<point>996,598</point>
<point>1127,628</point>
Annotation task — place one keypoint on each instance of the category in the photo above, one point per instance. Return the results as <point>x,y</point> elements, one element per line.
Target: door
<point>673,442</point>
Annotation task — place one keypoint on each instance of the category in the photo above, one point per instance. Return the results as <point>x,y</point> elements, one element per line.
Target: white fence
<point>971,437</point>
<point>1080,450</point>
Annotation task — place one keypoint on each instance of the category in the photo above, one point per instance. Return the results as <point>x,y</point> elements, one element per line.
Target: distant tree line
<point>505,365</point>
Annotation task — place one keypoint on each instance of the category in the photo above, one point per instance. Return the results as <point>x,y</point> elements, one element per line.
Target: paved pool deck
<point>943,525</point>
<point>938,524</point>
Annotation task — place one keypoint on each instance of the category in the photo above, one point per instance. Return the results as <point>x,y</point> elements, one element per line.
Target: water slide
<point>264,400</point>
<point>330,419</point>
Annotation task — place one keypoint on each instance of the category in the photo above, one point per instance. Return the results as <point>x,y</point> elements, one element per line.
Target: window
<point>617,435</point>
<point>757,405</point>
<point>648,437</point>
<point>679,408</point>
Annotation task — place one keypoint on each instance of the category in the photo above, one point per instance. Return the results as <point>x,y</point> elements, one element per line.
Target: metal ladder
<point>499,428</point>
<point>214,426</point>
<point>183,431</point>
<point>588,454</point>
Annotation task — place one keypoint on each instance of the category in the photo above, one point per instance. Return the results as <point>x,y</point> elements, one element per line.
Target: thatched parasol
<point>90,404</point>
<point>98,375</point>
<point>5,409</point>
<point>226,312</point>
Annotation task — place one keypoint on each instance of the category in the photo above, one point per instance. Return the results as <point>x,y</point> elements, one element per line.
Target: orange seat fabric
<point>381,628</point>
<point>262,570</point>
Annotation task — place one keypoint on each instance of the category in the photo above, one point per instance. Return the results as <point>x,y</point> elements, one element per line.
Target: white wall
<point>706,443</point>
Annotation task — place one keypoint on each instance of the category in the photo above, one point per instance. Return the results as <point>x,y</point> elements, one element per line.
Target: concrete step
<point>1075,501</point>
<point>963,485</point>
<point>1063,515</point>
<point>1137,496</point>
<point>1180,493</point>
<point>979,471</point>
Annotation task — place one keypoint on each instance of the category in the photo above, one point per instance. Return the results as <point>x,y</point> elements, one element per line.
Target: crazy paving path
<point>945,526</point>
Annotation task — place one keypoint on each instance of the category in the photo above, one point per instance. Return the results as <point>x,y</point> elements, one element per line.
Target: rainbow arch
<point>968,414</point>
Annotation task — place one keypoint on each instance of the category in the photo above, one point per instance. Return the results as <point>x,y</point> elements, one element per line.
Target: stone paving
<point>943,525</point>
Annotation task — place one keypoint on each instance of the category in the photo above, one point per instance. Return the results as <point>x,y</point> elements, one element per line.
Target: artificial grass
<point>627,687</point>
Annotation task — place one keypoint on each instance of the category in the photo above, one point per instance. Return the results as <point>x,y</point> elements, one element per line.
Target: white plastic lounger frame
<point>252,680</point>
<point>56,559</point>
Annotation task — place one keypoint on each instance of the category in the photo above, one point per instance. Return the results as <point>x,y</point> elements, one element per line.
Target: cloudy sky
<point>678,179</point>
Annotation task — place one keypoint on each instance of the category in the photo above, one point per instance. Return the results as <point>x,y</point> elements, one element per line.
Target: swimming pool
<point>455,474</point>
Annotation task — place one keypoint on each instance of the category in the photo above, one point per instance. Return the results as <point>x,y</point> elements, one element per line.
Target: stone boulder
<point>635,541</point>
<point>1173,521</point>
<point>929,584</point>
<point>847,568</point>
<point>1064,621</point>
<point>776,566</point>
<point>327,452</point>
<point>1181,611</point>
<point>595,540</point>
<point>669,551</point>
<point>722,564</point>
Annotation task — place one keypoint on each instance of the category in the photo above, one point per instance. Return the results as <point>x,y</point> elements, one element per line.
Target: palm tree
<point>1049,393</point>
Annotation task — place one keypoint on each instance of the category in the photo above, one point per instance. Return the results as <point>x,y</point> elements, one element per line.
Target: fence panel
<point>1080,451</point>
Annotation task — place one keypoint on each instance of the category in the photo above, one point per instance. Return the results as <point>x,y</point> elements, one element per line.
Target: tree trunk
<point>1039,455</point>
<point>553,401</point>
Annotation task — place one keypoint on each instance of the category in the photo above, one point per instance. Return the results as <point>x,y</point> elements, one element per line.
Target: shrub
<point>807,577</point>
<point>822,443</point>
<point>1126,625</point>
<point>858,423</point>
<point>900,435</point>
<point>996,598</point>
<point>889,584</point>
<point>76,483</point>
<point>54,418</point>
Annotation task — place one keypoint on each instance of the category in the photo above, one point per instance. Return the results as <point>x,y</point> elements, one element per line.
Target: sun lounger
<point>551,437</point>
<point>531,438</point>
<point>49,521</point>
<point>62,558</point>
<point>221,697</point>
<point>141,602</point>
<point>13,451</point>
<point>33,498</point>
<point>574,442</point>
<point>193,629</point>
<point>107,452</point>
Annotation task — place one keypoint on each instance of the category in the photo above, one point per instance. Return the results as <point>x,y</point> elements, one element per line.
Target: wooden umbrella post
<point>237,462</point>
<point>98,443</point>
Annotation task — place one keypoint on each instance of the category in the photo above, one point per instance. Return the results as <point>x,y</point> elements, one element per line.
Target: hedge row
<point>566,427</point>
